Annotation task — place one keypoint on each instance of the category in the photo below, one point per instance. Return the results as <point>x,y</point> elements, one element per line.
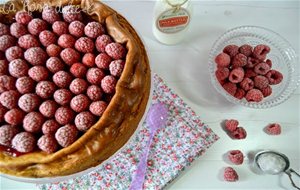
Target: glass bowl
<point>283,56</point>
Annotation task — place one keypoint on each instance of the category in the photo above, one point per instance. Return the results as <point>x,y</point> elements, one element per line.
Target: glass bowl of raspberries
<point>254,67</point>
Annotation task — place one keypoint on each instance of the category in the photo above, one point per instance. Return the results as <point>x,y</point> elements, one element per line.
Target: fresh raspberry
<point>247,84</point>
<point>236,75</point>
<point>62,79</point>
<point>28,41</point>
<point>275,77</point>
<point>222,60</point>
<point>273,129</point>
<point>38,73</point>
<point>24,142</point>
<point>25,85</point>
<point>60,28</point>
<point>102,41</point>
<point>222,73</point>
<point>23,17</point>
<point>9,99</point>
<point>78,70</point>
<point>78,86</point>
<point>269,62</point>
<point>13,53</point>
<point>115,50</point>
<point>47,38</point>
<point>17,30</point>
<point>64,115</point>
<point>47,143</point>
<point>71,13</point>
<point>6,41</point>
<point>262,68</point>
<point>94,92</point>
<point>240,94</point>
<point>84,121</point>
<point>231,124</point>
<point>70,56</point>
<point>98,108</point>
<point>4,29</point>
<point>231,50</point>
<point>14,116</point>
<point>48,108</point>
<point>3,110</point>
<point>66,41</point>
<point>66,135</point>
<point>7,83</point>
<point>45,89</point>
<point>116,67</point>
<point>103,60</point>
<point>251,62</point>
<point>3,67</point>
<point>94,29</point>
<point>50,127</point>
<point>88,60</point>
<point>267,91</point>
<point>80,103</point>
<point>62,96</point>
<point>7,133</point>
<point>54,64</point>
<point>239,60</point>
<point>95,75</point>
<point>260,52</point>
<point>261,82</point>
<point>230,87</point>
<point>33,122</point>
<point>50,14</point>
<point>236,157</point>
<point>108,84</point>
<point>53,50</point>
<point>254,95</point>
<point>246,50</point>
<point>29,102</point>
<point>249,73</point>
<point>36,26</point>
<point>239,133</point>
<point>76,28</point>
<point>18,68</point>
<point>85,45</point>
<point>35,56</point>
<point>230,175</point>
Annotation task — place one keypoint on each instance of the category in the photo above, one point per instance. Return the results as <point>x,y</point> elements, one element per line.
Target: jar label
<point>171,21</point>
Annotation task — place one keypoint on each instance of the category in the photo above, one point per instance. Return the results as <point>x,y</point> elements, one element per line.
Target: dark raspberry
<point>66,41</point>
<point>246,50</point>
<point>249,73</point>
<point>7,133</point>
<point>84,121</point>
<point>6,41</point>
<point>72,13</point>
<point>7,83</point>
<point>262,68</point>
<point>274,77</point>
<point>102,41</point>
<point>116,67</point>
<point>3,67</point>
<point>24,142</point>
<point>236,157</point>
<point>28,41</point>
<point>33,122</point>
<point>78,70</point>
<point>62,79</point>
<point>88,60</point>
<point>4,29</point>
<point>29,102</point>
<point>251,62</point>
<point>38,73</point>
<point>269,62</point>
<point>23,17</point>
<point>54,64</point>
<point>247,84</point>
<point>95,75</point>
<point>231,50</point>
<point>80,103</point>
<point>13,53</point>
<point>240,94</point>
<point>78,86</point>
<point>45,89</point>
<point>267,91</point>
<point>35,56</point>
<point>230,87</point>
<point>70,56</point>
<point>48,108</point>
<point>108,84</point>
<point>62,96</point>
<point>50,14</point>
<point>17,30</point>
<point>85,45</point>
<point>94,92</point>
<point>273,129</point>
<point>9,99</point>
<point>53,50</point>
<point>103,60</point>
<point>239,60</point>
<point>18,68</point>
<point>230,175</point>
<point>239,133</point>
<point>236,75</point>
<point>94,29</point>
<point>222,73</point>
<point>231,124</point>
<point>47,38</point>
<point>64,115</point>
<point>66,135</point>
<point>254,95</point>
<point>260,52</point>
<point>115,50</point>
<point>3,110</point>
<point>222,60</point>
<point>47,143</point>
<point>36,26</point>
<point>25,85</point>
<point>14,116</point>
<point>97,108</point>
<point>50,127</point>
<point>76,28</point>
<point>60,28</point>
<point>261,82</point>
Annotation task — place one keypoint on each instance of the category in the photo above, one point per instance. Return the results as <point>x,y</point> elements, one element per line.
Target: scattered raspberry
<point>45,89</point>
<point>66,41</point>
<point>53,50</point>
<point>66,135</point>
<point>98,108</point>
<point>50,127</point>
<point>222,73</point>
<point>35,56</point>
<point>254,95</point>
<point>78,70</point>
<point>246,50</point>
<point>239,133</point>
<point>47,38</point>
<point>7,83</point>
<point>274,77</point>
<point>38,73</point>
<point>3,110</point>
<point>273,129</point>
<point>3,67</point>
<point>80,103</point>
<point>115,50</point>
<point>33,122</point>
<point>62,79</point>
<point>76,28</point>
<point>231,50</point>
<point>103,60</point>
<point>251,62</point>
<point>50,14</point>
<point>94,92</point>
<point>247,84</point>
<point>62,96</point>
<point>60,28</point>
<point>14,116</point>
<point>85,45</point>
<point>230,87</point>
<point>47,143</point>
<point>88,60</point>
<point>28,41</point>
<point>64,115</point>
<point>18,68</point>
<point>102,41</point>
<point>29,102</point>
<point>4,29</point>
<point>236,157</point>
<point>36,26</point>
<point>48,108</point>
<point>95,75</point>
<point>267,91</point>
<point>231,125</point>
<point>9,99</point>
<point>236,75</point>
<point>54,64</point>
<point>269,62</point>
<point>116,67</point>
<point>78,86</point>
<point>240,94</point>
<point>260,52</point>
<point>108,84</point>
<point>230,175</point>
<point>249,73</point>
<point>7,133</point>
<point>262,68</point>
<point>239,60</point>
<point>71,13</point>
<point>84,121</point>
<point>70,56</point>
<point>13,53</point>
<point>261,82</point>
<point>23,17</point>
<point>6,41</point>
<point>94,29</point>
<point>24,142</point>
<point>17,30</point>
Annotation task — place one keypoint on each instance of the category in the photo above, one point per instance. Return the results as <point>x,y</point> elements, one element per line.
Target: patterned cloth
<point>174,147</point>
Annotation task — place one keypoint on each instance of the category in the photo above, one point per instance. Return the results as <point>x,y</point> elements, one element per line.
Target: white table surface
<point>184,69</point>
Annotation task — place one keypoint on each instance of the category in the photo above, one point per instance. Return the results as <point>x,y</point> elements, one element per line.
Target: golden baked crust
<point>121,117</point>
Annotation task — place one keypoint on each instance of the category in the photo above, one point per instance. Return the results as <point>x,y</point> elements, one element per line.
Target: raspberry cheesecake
<point>74,84</point>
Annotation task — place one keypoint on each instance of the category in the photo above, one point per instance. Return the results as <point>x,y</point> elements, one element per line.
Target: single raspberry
<point>38,73</point>
<point>80,103</point>
<point>18,68</point>
<point>85,45</point>
<point>273,129</point>
<point>267,91</point>
<point>236,75</point>
<point>24,142</point>
<point>84,121</point>
<point>249,73</point>
<point>116,67</point>
<point>29,102</point>
<point>76,28</point>
<point>240,94</point>
<point>94,29</point>
<point>275,77</point>
<point>269,62</point>
<point>45,89</point>
<point>115,50</point>
<point>6,41</point>
<point>222,73</point>
<point>231,124</point>
<point>103,60</point>
<point>246,50</point>
<point>14,116</point>
<point>3,110</point>
<point>254,95</point>
<point>33,122</point>
<point>78,70</point>
<point>7,133</point>
<point>247,84</point>
<point>108,84</point>
<point>262,68</point>
<point>88,60</point>
<point>95,75</point>
<point>47,38</point>
<point>236,157</point>
<point>48,108</point>
<point>231,50</point>
<point>261,82</point>
<point>3,67</point>
<point>94,92</point>
<point>66,41</point>
<point>50,127</point>
<point>9,99</point>
<point>28,41</point>
<point>47,143</point>
<point>23,17</point>
<point>230,87</point>
<point>97,108</point>
<point>54,64</point>
<point>102,41</point>
<point>62,79</point>
<point>260,52</point>
<point>17,30</point>
<point>230,175</point>
<point>66,135</point>
<point>64,115</point>
<point>251,62</point>
<point>239,60</point>
<point>7,83</point>
<point>13,53</point>
<point>60,28</point>
<point>78,86</point>
<point>4,29</point>
<point>71,13</point>
<point>35,56</point>
<point>70,56</point>
<point>36,26</point>
<point>53,50</point>
<point>62,96</point>
<point>50,14</point>
<point>239,133</point>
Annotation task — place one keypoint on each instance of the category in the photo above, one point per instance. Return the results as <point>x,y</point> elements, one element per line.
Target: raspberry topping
<point>35,56</point>
<point>85,45</point>
<point>24,142</point>
<point>66,135</point>
<point>50,14</point>
<point>78,86</point>
<point>7,83</point>
<point>262,68</point>
<point>273,129</point>
<point>64,115</point>
<point>246,50</point>
<point>71,13</point>
<point>78,70</point>
<point>9,99</point>
<point>45,89</point>
<point>88,60</point>
<point>17,30</point>
<point>36,26</point>
<point>274,77</point>
<point>4,30</point>
<point>102,41</point>
<point>236,157</point>
<point>28,41</point>
<point>6,41</point>
<point>80,103</point>
<point>76,28</point>
<point>66,41</point>
<point>115,50</point>
<point>103,60</point>
<point>29,102</point>
<point>231,124</point>
<point>54,64</point>
<point>33,122</point>
<point>62,79</point>
<point>13,53</point>
<point>23,17</point>
<point>53,50</point>
<point>254,95</point>
<point>14,116</point>
<point>62,96</point>
<point>94,92</point>
<point>70,56</point>
<point>18,68</point>
<point>48,108</point>
<point>60,28</point>
<point>47,38</point>
<point>116,67</point>
<point>108,84</point>
<point>94,29</point>
<point>231,50</point>
<point>38,73</point>
<point>95,75</point>
<point>47,143</point>
<point>261,82</point>
<point>84,121</point>
<point>98,108</point>
<point>7,133</point>
<point>230,175</point>
<point>50,127</point>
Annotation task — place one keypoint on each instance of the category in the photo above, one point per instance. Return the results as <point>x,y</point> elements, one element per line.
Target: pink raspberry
<point>3,67</point>
<point>48,108</point>
<point>45,89</point>
<point>50,14</point>
<point>14,116</point>
<point>97,108</point>
<point>28,41</point>
<point>25,85</point>
<point>62,79</point>
<point>80,103</point>
<point>85,45</point>
<point>64,115</point>
<point>260,52</point>
<point>60,28</point>
<point>116,67</point>
<point>78,86</point>
<point>6,41</point>
<point>247,84</point>
<point>230,175</point>
<point>222,73</point>
<point>236,157</point>
<point>66,41</point>
<point>13,53</point>
<point>231,124</point>
<point>76,28</point>
<point>62,96</point>
<point>36,26</point>
<point>262,68</point>
<point>269,62</point>
<point>50,127</point>
<point>274,77</point>
<point>246,50</point>
<point>267,91</point>
<point>4,29</point>
<point>231,50</point>
<point>53,50</point>
<point>18,68</point>
<point>240,94</point>
<point>108,84</point>
<point>84,121</point>
<point>78,70</point>
<point>95,75</point>
<point>115,50</point>
<point>273,129</point>
<point>222,60</point>
<point>47,143</point>
<point>94,92</point>
<point>35,56</point>
<point>236,75</point>
<point>239,60</point>
<point>254,95</point>
<point>71,13</point>
<point>17,30</point>
<point>23,17</point>
<point>70,56</point>
<point>239,133</point>
<point>251,62</point>
<point>38,73</point>
<point>103,60</point>
<point>94,29</point>
<point>29,102</point>
<point>54,64</point>
<point>24,142</point>
<point>230,87</point>
<point>3,110</point>
<point>7,83</point>
<point>47,38</point>
<point>261,82</point>
<point>9,99</point>
<point>88,60</point>
<point>33,122</point>
<point>7,133</point>
<point>66,135</point>
<point>249,73</point>
<point>102,41</point>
